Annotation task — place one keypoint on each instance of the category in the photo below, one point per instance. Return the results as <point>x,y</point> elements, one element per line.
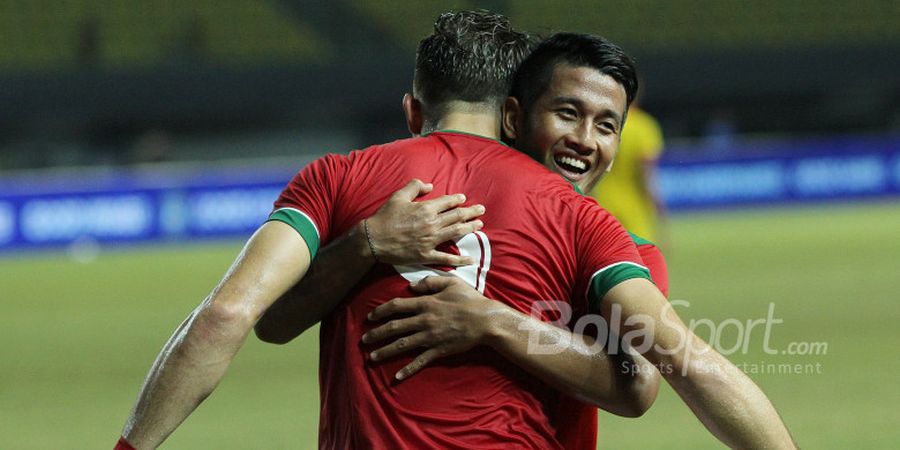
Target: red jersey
<point>541,241</point>
<point>577,421</point>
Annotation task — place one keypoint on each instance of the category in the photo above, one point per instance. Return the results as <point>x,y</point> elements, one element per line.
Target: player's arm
<point>195,358</point>
<point>402,231</point>
<point>728,403</point>
<point>453,317</point>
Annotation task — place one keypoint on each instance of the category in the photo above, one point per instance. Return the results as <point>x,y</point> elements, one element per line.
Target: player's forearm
<point>575,365</point>
<point>195,358</point>
<point>728,403</point>
<point>186,371</point>
<point>337,268</point>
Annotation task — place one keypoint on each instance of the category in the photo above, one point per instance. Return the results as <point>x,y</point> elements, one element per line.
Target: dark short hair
<point>580,50</point>
<point>471,56</point>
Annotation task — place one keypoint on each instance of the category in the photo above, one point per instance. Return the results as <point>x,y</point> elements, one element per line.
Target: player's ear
<point>412,108</point>
<point>512,118</point>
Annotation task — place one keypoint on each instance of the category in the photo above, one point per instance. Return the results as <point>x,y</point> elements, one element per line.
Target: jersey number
<point>474,245</point>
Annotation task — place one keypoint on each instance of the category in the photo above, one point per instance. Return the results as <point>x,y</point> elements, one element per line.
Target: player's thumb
<point>413,189</point>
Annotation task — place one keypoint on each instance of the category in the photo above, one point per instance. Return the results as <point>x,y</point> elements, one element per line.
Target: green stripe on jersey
<point>609,276</point>
<point>302,223</point>
<point>639,240</point>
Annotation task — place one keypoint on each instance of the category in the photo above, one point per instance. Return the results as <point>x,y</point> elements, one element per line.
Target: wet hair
<point>471,56</point>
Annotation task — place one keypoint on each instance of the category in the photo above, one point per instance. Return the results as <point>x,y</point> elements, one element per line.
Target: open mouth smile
<point>572,167</point>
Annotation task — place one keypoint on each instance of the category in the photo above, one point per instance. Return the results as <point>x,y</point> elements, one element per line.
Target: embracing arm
<point>456,317</point>
<point>576,365</point>
<point>402,231</point>
<point>728,403</point>
<point>337,268</point>
<point>196,357</point>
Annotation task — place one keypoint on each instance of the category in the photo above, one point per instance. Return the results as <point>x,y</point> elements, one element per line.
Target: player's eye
<point>567,113</point>
<point>606,127</point>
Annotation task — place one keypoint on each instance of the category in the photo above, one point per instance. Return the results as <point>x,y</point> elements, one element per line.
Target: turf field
<point>79,337</point>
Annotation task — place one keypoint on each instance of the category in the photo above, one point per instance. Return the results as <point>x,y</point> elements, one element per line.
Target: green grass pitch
<point>78,338</point>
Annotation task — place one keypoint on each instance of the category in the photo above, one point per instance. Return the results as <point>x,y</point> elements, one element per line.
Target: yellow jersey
<point>624,191</point>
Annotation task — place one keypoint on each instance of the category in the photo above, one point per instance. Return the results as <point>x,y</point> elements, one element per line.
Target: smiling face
<point>573,127</point>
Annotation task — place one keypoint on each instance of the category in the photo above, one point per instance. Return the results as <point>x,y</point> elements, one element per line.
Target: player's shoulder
<point>591,208</point>
<point>640,241</point>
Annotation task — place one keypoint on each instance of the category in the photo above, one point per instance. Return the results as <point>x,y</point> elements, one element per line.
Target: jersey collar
<point>467,134</point>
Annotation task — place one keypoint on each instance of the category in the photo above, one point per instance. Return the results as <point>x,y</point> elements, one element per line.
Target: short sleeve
<point>607,254</point>
<point>307,203</point>
<point>655,262</point>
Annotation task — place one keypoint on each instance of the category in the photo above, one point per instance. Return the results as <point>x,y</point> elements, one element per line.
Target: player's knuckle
<point>431,319</point>
<point>402,343</point>
<point>432,335</point>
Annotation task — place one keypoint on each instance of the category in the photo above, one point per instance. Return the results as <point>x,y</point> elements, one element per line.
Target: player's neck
<point>482,124</point>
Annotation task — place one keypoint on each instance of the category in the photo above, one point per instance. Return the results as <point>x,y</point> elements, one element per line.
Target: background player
<point>628,190</point>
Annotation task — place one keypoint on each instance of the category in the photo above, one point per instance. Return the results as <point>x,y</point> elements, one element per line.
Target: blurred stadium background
<point>141,141</point>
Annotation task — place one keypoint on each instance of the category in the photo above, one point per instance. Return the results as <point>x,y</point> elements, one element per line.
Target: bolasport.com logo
<point>670,335</point>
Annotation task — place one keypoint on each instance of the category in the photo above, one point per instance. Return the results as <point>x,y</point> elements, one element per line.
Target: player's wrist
<point>496,323</point>
<point>360,243</point>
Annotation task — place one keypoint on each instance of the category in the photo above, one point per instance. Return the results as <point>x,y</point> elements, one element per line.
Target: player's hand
<point>452,319</point>
<point>406,232</point>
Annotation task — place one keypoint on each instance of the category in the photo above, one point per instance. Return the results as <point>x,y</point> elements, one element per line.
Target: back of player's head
<point>471,57</point>
<point>579,50</point>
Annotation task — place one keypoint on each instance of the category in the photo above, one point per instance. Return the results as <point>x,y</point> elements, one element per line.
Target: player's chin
<point>590,179</point>
<point>582,180</point>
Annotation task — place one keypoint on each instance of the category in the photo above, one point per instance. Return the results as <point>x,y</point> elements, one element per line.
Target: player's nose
<point>580,140</point>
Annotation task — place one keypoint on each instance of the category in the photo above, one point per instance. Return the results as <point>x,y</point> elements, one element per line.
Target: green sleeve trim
<point>299,221</point>
<point>608,277</point>
<point>639,240</point>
